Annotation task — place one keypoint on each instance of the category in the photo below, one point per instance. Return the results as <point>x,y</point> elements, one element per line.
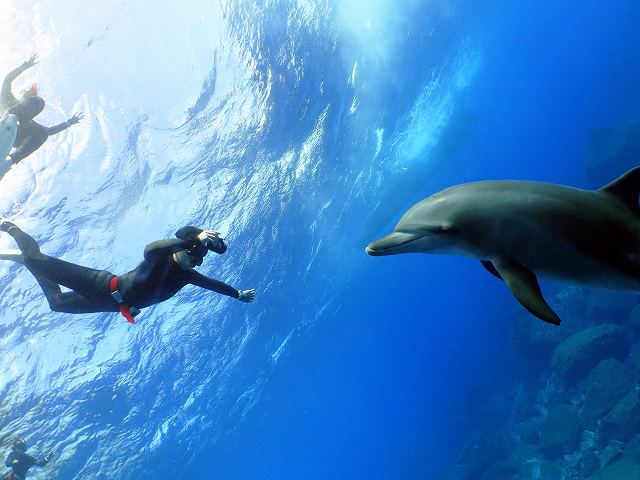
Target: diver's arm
<point>30,461</point>
<point>57,128</point>
<point>9,460</point>
<point>162,248</point>
<point>6,97</point>
<point>64,125</point>
<point>200,280</point>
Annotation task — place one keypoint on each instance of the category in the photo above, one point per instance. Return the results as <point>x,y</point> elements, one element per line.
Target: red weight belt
<point>125,310</point>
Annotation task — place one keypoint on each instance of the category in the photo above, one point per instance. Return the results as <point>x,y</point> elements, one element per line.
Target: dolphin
<point>8,130</point>
<point>520,230</point>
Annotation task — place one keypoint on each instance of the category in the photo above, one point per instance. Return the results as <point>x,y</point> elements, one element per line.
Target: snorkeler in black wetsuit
<point>31,135</point>
<point>20,461</point>
<point>166,268</point>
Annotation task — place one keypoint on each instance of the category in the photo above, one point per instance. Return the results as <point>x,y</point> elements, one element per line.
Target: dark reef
<point>570,407</point>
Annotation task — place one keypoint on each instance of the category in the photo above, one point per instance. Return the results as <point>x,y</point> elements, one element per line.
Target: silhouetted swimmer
<point>168,266</point>
<point>30,135</point>
<point>20,461</point>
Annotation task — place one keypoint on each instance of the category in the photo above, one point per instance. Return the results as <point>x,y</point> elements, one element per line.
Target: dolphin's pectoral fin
<point>492,270</point>
<point>626,188</point>
<point>524,286</point>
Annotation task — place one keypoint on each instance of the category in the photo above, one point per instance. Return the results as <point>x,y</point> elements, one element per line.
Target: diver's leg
<point>88,282</point>
<point>90,287</point>
<point>27,245</point>
<point>98,298</point>
<point>12,255</point>
<point>67,302</point>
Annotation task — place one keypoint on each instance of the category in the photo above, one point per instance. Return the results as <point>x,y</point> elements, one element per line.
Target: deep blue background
<point>253,119</point>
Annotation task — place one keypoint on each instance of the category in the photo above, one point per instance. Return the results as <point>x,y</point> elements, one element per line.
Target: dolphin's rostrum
<point>520,230</point>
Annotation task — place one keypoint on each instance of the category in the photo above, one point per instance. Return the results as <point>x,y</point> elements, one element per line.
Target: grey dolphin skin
<point>520,230</point>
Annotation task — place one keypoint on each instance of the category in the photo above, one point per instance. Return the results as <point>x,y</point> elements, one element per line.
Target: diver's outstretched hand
<point>32,60</point>
<point>75,118</point>
<point>247,296</point>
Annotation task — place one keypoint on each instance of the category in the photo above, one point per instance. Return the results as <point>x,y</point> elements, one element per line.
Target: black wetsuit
<point>23,464</point>
<point>30,135</point>
<point>157,278</point>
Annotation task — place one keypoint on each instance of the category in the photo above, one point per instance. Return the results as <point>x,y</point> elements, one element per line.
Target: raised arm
<point>6,97</point>
<point>161,248</point>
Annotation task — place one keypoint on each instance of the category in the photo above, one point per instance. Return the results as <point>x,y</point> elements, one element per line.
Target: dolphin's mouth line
<point>381,250</point>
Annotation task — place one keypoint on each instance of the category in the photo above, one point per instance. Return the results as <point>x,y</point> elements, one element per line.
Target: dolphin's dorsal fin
<point>627,188</point>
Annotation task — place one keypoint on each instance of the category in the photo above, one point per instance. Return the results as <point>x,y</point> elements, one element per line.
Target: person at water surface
<point>20,461</point>
<point>168,266</point>
<point>30,135</point>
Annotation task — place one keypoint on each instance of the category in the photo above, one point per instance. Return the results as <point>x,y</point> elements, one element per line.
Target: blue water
<point>301,130</point>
